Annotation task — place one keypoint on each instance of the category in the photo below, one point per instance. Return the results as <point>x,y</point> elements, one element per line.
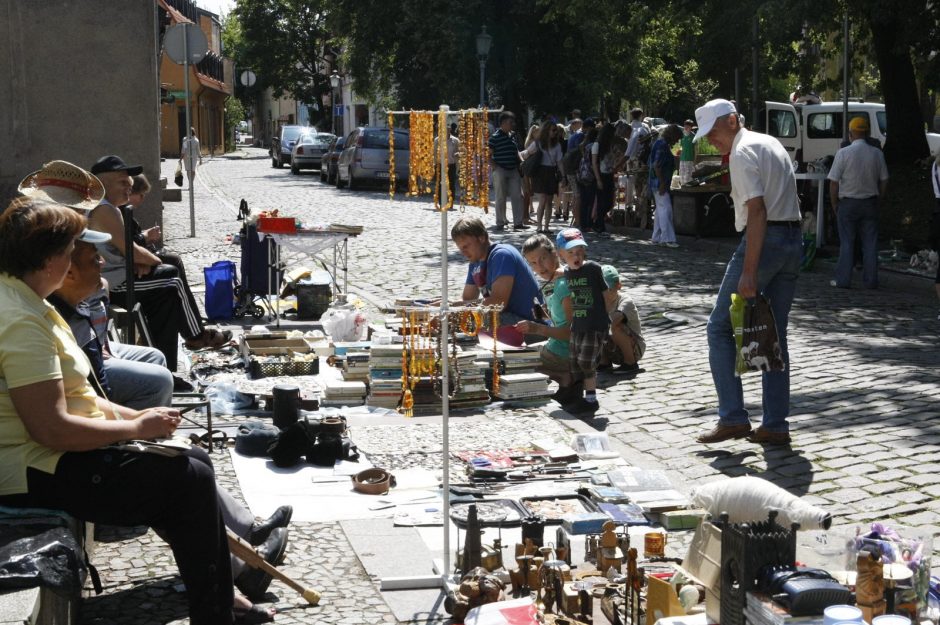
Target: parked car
<point>282,144</point>
<point>328,168</point>
<point>308,151</point>
<point>364,159</point>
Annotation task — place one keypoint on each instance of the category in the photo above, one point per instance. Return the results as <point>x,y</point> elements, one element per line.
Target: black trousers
<point>175,495</point>
<point>168,307</point>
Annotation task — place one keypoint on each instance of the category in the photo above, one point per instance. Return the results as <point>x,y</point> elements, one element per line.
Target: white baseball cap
<point>706,115</point>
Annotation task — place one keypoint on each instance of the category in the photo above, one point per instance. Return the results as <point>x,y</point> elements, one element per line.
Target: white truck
<point>810,132</point>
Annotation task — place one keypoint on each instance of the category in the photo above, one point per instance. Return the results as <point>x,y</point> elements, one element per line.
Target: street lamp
<point>483,52</point>
<point>334,83</point>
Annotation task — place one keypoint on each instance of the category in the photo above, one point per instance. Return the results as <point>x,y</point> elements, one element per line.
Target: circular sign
<point>248,78</point>
<point>185,39</point>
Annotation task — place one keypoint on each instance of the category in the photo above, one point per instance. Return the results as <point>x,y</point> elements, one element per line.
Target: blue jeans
<point>138,377</point>
<point>777,271</point>
<point>858,217</point>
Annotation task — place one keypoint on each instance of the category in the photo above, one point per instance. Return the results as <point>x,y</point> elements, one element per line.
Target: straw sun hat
<point>63,183</point>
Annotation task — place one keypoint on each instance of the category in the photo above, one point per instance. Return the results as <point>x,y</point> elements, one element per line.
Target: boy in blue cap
<point>586,309</point>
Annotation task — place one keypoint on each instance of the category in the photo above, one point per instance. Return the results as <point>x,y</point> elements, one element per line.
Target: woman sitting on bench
<point>56,433</point>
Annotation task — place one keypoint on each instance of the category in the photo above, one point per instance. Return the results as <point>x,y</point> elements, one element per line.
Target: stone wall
<point>80,81</point>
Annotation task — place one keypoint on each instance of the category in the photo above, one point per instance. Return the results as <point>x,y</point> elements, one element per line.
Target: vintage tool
<point>245,552</point>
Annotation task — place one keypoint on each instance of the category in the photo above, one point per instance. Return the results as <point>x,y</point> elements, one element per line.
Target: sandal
<point>254,614</point>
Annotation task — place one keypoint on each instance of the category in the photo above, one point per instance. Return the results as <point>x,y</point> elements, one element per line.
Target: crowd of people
<point>581,168</point>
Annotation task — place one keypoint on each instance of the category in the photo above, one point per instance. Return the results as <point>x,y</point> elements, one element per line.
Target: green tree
<point>284,43</point>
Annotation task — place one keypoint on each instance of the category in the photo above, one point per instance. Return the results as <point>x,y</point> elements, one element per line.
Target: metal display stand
<point>444,579</point>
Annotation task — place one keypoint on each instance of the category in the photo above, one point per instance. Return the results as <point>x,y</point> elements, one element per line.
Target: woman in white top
<point>546,177</point>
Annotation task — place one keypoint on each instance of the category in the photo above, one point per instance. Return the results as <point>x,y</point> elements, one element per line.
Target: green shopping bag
<point>738,304</point>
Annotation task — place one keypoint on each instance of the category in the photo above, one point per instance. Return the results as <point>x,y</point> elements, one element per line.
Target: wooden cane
<point>245,552</point>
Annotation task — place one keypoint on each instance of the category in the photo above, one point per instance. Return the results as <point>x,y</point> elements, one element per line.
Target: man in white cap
<point>767,261</point>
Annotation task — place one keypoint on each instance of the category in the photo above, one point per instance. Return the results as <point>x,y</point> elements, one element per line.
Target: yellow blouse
<point>36,345</point>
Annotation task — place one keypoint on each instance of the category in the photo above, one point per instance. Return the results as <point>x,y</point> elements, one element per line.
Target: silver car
<point>364,160</point>
<point>308,152</point>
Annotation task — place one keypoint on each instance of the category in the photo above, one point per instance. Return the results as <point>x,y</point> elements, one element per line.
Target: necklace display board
<point>435,178</point>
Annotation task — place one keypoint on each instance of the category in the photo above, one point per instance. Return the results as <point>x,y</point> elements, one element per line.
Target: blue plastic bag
<point>220,290</point>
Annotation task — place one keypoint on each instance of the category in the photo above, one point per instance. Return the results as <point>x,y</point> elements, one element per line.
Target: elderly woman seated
<point>58,438</point>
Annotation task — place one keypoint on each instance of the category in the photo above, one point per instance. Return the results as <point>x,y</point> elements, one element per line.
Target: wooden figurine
<point>609,553</point>
<point>870,585</point>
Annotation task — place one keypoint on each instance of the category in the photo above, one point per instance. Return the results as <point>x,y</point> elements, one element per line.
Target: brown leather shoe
<point>766,437</point>
<point>724,432</point>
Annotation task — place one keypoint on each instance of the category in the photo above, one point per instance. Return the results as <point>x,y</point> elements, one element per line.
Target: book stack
<point>519,361</point>
<point>385,376</point>
<point>471,391</point>
<point>529,387</point>
<point>343,393</point>
<point>356,365</point>
<point>761,610</point>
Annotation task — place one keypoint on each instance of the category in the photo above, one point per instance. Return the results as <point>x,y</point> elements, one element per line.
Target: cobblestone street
<point>865,388</point>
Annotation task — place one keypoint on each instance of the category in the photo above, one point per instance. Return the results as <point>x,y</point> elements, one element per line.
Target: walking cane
<point>243,551</point>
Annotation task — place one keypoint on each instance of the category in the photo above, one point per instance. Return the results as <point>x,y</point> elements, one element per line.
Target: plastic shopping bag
<point>220,290</point>
<point>755,335</point>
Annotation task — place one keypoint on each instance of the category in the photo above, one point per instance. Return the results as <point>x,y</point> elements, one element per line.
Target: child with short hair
<point>587,311</point>
<point>625,345</point>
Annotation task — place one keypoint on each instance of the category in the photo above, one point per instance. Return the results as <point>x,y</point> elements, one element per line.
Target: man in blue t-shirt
<point>497,272</point>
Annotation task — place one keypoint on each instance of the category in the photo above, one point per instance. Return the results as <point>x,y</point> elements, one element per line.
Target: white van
<point>814,131</point>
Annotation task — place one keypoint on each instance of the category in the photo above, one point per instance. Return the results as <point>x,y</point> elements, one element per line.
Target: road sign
<point>248,78</point>
<point>338,110</point>
<point>184,40</point>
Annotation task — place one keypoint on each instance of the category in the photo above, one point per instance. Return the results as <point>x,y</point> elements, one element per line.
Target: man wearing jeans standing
<point>857,182</point>
<point>766,261</point>
<point>505,158</point>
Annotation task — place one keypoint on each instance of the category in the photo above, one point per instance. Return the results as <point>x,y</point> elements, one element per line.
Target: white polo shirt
<point>858,168</point>
<point>760,167</point>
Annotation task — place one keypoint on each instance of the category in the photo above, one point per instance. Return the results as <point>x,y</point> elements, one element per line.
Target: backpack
<point>646,147</point>
<point>585,169</point>
<point>570,161</point>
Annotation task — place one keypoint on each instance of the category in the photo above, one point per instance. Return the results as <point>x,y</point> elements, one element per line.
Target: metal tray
<point>488,512</point>
<point>586,505</point>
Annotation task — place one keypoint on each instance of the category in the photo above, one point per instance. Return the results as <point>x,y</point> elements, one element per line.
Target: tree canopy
<point>600,55</point>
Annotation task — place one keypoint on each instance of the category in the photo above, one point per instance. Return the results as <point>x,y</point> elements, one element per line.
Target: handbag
<point>531,162</point>
<point>178,176</point>
<point>168,447</point>
<point>755,335</point>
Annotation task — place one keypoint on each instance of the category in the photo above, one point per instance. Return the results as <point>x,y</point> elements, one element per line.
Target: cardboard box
<point>273,346</point>
<point>703,564</point>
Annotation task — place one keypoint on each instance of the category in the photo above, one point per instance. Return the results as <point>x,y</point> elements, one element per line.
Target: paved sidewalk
<point>865,388</point>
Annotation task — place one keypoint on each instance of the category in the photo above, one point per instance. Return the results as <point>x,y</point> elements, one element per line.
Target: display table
<point>313,242</point>
<point>703,211</point>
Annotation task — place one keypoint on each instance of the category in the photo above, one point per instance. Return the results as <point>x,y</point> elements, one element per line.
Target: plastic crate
<point>277,225</point>
<point>257,369</point>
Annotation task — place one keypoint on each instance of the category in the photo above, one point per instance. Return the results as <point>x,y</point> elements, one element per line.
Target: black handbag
<point>531,162</point>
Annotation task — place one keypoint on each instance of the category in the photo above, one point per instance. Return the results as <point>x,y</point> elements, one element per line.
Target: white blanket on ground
<point>316,498</point>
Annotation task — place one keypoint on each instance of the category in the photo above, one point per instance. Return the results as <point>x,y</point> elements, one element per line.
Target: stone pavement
<point>865,387</point>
